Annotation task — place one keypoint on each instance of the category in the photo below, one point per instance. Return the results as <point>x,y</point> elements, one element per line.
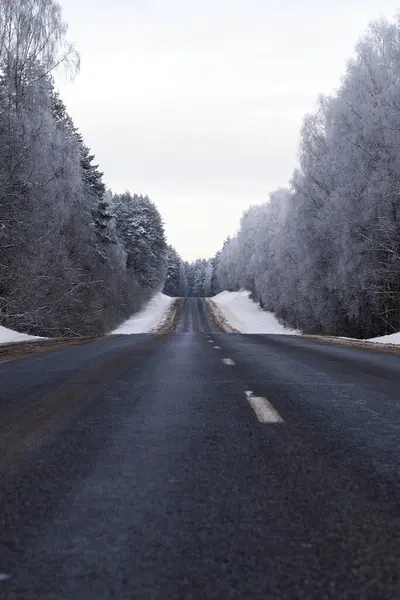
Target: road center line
<point>228,361</point>
<point>264,410</point>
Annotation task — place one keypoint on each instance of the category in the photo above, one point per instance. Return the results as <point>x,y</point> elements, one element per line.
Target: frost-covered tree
<point>324,254</point>
<point>175,282</point>
<point>208,273</point>
<point>140,227</point>
<point>63,265</point>
<point>199,281</point>
<point>199,272</point>
<point>33,34</point>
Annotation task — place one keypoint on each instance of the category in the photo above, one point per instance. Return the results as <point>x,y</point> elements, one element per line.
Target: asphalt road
<point>137,468</point>
<point>194,317</point>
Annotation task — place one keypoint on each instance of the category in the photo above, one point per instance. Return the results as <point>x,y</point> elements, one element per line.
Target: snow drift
<point>393,338</point>
<point>149,318</point>
<point>8,336</point>
<point>248,317</point>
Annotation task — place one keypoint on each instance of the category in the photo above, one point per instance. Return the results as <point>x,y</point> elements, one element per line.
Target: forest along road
<point>197,465</point>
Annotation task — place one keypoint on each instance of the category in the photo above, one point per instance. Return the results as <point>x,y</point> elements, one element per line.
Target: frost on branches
<point>324,253</point>
<point>66,265</point>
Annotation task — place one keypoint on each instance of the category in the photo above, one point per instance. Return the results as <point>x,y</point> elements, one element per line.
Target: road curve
<point>196,465</point>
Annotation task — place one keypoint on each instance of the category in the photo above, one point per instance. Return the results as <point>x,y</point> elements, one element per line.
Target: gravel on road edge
<point>222,324</point>
<point>18,350</point>
<point>218,318</point>
<point>171,317</point>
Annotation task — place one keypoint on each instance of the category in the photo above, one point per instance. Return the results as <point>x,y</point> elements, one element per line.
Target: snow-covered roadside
<point>248,317</point>
<point>8,336</point>
<point>393,338</point>
<point>149,318</point>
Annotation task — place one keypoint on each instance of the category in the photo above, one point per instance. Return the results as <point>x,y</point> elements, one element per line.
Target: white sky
<point>199,103</point>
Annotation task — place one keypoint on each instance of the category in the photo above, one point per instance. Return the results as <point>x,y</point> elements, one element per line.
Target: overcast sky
<point>199,103</point>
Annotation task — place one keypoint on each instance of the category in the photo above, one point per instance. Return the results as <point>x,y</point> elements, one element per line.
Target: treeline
<point>75,259</point>
<point>190,279</point>
<point>324,254</point>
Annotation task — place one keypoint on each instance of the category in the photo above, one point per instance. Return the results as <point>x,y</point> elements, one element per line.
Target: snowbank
<point>393,338</point>
<point>7,336</point>
<point>248,317</point>
<point>149,318</point>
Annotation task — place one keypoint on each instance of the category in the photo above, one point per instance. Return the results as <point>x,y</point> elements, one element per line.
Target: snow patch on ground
<point>393,338</point>
<point>149,318</point>
<point>8,336</point>
<point>248,317</point>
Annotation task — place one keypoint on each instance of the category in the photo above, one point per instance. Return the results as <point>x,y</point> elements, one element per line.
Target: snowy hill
<point>7,336</point>
<point>393,338</point>
<point>149,318</point>
<point>248,317</point>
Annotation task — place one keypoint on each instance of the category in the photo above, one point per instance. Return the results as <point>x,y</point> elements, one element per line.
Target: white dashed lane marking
<point>4,577</point>
<point>264,410</point>
<point>228,361</point>
<point>217,348</point>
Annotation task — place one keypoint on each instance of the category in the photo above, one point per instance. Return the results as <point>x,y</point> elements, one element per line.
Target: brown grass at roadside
<point>171,317</point>
<point>218,318</point>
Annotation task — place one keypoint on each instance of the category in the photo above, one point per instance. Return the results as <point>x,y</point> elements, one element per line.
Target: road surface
<point>200,465</point>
